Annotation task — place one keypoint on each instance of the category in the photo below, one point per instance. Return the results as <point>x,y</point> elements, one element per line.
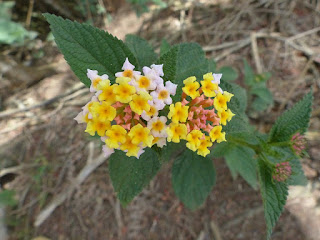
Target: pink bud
<point>281,171</point>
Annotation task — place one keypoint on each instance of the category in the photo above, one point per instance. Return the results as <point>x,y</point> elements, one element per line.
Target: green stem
<point>281,144</point>
<point>266,160</point>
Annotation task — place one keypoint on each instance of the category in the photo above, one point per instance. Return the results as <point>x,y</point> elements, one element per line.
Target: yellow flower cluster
<point>125,114</point>
<point>199,117</point>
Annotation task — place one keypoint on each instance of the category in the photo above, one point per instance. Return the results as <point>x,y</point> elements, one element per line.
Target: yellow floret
<point>193,139</point>
<point>227,95</point>
<point>117,134</point>
<point>104,111</point>
<point>131,148</point>
<point>124,91</point>
<point>107,92</point>
<point>208,77</point>
<point>176,132</point>
<point>140,102</point>
<point>96,125</point>
<point>140,134</point>
<point>209,88</point>
<point>217,135</point>
<point>191,87</point>
<point>220,102</point>
<point>203,147</point>
<point>178,112</point>
<point>225,116</point>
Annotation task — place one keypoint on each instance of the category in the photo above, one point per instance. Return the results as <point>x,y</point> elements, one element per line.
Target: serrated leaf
<point>182,61</point>
<point>293,120</point>
<point>193,177</point>
<point>240,160</point>
<point>228,73</point>
<point>130,175</point>
<point>220,150</point>
<point>248,74</point>
<point>164,47</point>
<point>7,198</point>
<point>142,50</point>
<point>85,47</point>
<point>274,195</point>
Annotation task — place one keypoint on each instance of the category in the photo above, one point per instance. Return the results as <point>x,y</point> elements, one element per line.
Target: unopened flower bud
<point>281,171</point>
<point>298,142</point>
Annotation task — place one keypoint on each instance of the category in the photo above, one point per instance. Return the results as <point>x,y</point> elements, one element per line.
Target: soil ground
<point>48,149</point>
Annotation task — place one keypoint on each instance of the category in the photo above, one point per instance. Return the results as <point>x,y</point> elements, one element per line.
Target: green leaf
<point>193,177</point>
<point>130,175</point>
<point>164,47</point>
<point>182,61</point>
<point>212,65</point>
<point>248,74</point>
<point>263,100</point>
<point>228,73</point>
<point>7,198</point>
<point>142,50</point>
<point>294,120</point>
<point>85,47</point>
<point>240,160</point>
<point>297,177</point>
<point>274,195</point>
<point>172,150</point>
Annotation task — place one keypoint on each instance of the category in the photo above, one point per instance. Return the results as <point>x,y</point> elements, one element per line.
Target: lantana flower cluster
<point>126,114</point>
<point>199,116</point>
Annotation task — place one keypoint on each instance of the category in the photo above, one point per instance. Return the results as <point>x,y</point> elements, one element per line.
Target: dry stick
<point>215,231</point>
<point>303,34</point>
<point>223,45</point>
<point>241,44</point>
<point>255,52</point>
<point>42,104</point>
<point>90,166</point>
<point>29,14</point>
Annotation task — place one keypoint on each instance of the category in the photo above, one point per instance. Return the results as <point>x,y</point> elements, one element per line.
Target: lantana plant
<point>149,110</point>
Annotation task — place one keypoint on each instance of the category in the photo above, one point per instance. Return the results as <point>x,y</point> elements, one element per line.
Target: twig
<point>16,169</point>
<point>223,45</point>
<point>255,52</point>
<point>29,14</point>
<point>233,49</point>
<point>91,165</point>
<point>303,34</point>
<point>215,231</point>
<point>117,211</point>
<point>42,104</point>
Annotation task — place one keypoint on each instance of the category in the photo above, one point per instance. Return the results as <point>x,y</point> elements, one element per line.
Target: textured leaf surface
<point>164,47</point>
<point>264,98</point>
<point>274,196</point>
<point>212,65</point>
<point>228,73</point>
<point>182,61</point>
<point>142,50</point>
<point>193,177</point>
<point>240,161</point>
<point>294,120</point>
<point>130,175</point>
<point>85,47</point>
